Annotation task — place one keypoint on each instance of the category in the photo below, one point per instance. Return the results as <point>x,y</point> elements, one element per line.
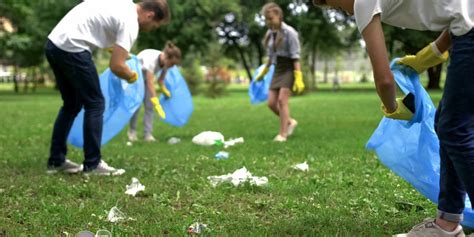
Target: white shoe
<point>431,229</point>
<point>279,138</point>
<point>104,169</point>
<point>132,136</point>
<point>291,127</point>
<point>67,167</point>
<point>149,138</point>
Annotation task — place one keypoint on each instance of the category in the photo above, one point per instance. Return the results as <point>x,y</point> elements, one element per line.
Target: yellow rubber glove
<point>428,57</point>
<point>159,110</point>
<point>133,78</point>
<point>401,113</point>
<point>298,85</point>
<point>164,90</point>
<point>262,73</point>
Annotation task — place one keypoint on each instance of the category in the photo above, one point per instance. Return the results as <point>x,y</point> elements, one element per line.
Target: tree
<point>404,41</point>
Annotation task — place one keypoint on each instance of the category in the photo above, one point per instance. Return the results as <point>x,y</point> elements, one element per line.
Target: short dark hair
<point>159,7</point>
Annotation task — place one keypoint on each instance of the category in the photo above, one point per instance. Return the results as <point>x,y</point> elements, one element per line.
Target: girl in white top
<point>455,114</point>
<point>152,62</point>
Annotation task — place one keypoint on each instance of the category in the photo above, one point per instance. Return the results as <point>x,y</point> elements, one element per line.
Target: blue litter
<point>258,90</point>
<point>179,106</point>
<point>411,148</point>
<point>121,101</point>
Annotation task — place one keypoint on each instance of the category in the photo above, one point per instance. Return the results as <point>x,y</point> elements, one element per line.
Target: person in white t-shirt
<point>152,62</point>
<point>89,26</point>
<point>454,120</point>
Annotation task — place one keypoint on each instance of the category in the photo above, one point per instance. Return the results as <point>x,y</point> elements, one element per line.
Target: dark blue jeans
<point>454,124</point>
<point>78,82</point>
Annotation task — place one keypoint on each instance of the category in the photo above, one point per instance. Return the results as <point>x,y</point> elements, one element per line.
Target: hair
<point>159,7</point>
<point>319,2</point>
<point>272,7</point>
<point>172,51</point>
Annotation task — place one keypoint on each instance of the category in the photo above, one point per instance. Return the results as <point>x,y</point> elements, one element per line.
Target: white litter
<point>232,142</point>
<point>174,140</point>
<point>238,177</point>
<point>303,166</point>
<point>134,187</point>
<point>115,215</point>
<point>208,138</point>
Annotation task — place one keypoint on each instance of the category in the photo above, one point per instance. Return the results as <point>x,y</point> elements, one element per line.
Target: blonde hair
<point>268,8</point>
<point>172,51</point>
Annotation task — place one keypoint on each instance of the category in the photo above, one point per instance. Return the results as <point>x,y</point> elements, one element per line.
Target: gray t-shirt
<point>289,47</point>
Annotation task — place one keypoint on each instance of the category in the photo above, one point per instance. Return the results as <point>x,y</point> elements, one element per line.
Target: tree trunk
<point>26,81</point>
<point>34,77</point>
<point>326,71</point>
<point>241,52</point>
<point>314,83</point>
<point>434,77</point>
<point>15,78</point>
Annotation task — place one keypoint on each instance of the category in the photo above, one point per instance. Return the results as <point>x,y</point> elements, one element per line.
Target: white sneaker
<point>132,136</point>
<point>279,138</point>
<point>104,169</point>
<point>149,138</point>
<point>429,228</point>
<point>291,127</point>
<point>67,167</point>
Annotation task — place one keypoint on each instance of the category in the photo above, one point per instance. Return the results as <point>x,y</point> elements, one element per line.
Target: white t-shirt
<point>97,24</point>
<point>432,15</point>
<point>150,60</point>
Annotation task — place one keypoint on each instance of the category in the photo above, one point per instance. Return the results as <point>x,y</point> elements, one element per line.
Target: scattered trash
<point>232,142</point>
<point>303,166</point>
<point>115,215</point>
<point>196,228</point>
<point>134,187</point>
<point>84,233</point>
<point>103,233</point>
<point>239,176</point>
<point>222,155</point>
<point>208,138</point>
<point>174,140</point>
<point>129,143</point>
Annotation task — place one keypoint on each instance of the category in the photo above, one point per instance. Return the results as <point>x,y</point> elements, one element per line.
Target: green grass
<point>347,191</point>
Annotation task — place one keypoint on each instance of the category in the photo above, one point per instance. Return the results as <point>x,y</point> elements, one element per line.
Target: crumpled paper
<point>208,138</point>
<point>115,215</point>
<point>302,166</point>
<point>174,140</point>
<point>134,187</point>
<point>238,177</point>
<point>232,142</point>
<point>196,228</point>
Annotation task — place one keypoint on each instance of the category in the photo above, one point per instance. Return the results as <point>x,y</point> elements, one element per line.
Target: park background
<point>347,191</point>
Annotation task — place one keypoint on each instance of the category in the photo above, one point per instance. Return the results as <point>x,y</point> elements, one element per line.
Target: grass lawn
<point>347,191</point>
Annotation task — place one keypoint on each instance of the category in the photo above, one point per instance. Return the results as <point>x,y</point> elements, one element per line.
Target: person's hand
<point>164,90</point>
<point>402,112</point>
<point>428,57</point>
<point>262,73</point>
<point>133,78</point>
<point>298,85</point>
<point>158,108</point>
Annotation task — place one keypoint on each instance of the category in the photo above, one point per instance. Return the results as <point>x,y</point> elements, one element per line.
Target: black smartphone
<point>409,102</point>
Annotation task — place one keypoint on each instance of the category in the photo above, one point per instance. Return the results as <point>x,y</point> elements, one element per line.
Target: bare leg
<point>283,97</point>
<point>273,102</point>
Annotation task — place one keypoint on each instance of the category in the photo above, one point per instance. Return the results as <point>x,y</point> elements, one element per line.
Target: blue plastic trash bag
<point>411,148</point>
<point>179,107</point>
<point>121,101</point>
<point>258,90</point>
